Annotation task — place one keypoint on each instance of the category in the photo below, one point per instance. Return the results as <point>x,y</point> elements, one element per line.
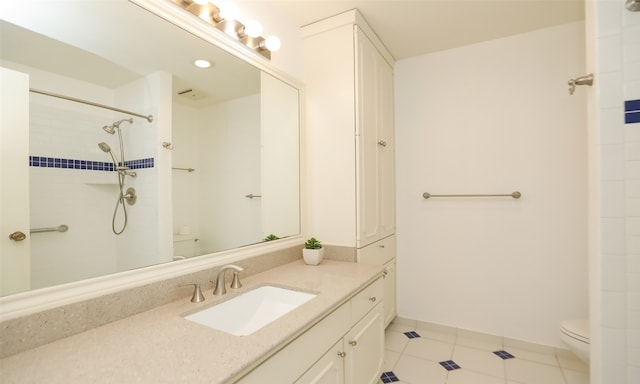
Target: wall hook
<point>167,145</point>
<point>582,80</point>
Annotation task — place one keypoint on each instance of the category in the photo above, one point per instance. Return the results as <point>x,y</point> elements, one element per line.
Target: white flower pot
<point>312,256</point>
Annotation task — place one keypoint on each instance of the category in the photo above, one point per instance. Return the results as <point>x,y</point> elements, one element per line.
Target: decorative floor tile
<point>388,377</point>
<point>449,365</point>
<point>412,334</point>
<point>504,355</point>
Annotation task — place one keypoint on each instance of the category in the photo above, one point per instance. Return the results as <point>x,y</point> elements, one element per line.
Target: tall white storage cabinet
<point>350,142</point>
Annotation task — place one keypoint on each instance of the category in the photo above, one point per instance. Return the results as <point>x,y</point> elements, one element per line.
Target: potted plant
<point>312,253</point>
<point>271,237</point>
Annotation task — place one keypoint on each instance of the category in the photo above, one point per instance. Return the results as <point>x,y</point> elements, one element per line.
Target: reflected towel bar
<point>184,169</point>
<point>515,195</point>
<point>59,228</point>
<point>251,196</point>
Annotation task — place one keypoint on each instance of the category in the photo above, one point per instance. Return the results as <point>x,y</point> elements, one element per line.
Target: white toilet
<point>575,334</point>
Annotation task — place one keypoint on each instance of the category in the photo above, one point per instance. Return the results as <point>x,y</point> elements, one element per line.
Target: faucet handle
<point>197,293</point>
<point>235,283</point>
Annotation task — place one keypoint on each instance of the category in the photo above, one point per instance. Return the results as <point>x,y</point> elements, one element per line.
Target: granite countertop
<point>160,346</point>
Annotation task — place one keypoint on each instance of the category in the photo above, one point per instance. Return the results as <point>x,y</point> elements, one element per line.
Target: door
<point>364,348</point>
<point>15,261</point>
<point>328,370</point>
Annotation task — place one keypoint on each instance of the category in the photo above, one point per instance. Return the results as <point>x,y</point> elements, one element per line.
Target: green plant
<point>271,237</point>
<point>313,243</point>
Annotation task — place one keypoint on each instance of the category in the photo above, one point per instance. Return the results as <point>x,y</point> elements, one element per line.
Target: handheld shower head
<point>107,149</point>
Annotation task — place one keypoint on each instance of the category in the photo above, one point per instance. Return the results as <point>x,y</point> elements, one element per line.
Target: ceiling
<point>415,27</point>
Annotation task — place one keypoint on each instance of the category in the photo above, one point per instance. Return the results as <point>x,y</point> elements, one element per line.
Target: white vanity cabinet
<point>350,155</point>
<point>355,359</point>
<point>347,347</point>
<point>384,252</point>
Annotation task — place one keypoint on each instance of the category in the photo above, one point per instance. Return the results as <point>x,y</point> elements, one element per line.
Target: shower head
<point>111,129</point>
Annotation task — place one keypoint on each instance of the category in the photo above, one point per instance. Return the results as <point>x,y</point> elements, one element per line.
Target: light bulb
<point>253,28</point>
<point>201,2</point>
<point>272,43</point>
<point>229,10</point>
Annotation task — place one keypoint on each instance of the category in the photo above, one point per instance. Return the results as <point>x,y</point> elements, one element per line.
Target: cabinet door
<point>367,184</point>
<point>364,348</point>
<point>328,370</point>
<point>389,303</point>
<point>386,149</point>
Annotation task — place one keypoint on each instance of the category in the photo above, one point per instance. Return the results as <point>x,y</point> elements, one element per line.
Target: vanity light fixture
<point>224,18</point>
<point>252,28</point>
<point>271,43</point>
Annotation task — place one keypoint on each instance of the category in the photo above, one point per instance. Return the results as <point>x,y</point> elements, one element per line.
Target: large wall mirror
<point>215,167</point>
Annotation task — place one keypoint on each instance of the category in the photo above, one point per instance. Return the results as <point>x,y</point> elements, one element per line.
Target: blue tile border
<point>388,377</point>
<point>632,111</point>
<point>632,117</point>
<point>56,162</point>
<point>449,365</point>
<point>632,106</point>
<point>412,334</point>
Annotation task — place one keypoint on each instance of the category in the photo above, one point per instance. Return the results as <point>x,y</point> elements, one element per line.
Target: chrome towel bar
<point>515,195</point>
<point>59,228</point>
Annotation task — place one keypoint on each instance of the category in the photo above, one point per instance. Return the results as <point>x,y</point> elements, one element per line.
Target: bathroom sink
<point>252,310</point>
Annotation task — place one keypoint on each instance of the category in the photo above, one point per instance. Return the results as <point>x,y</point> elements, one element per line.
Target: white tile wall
<point>617,34</point>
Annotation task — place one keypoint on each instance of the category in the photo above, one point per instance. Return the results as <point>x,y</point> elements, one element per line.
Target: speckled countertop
<point>160,346</point>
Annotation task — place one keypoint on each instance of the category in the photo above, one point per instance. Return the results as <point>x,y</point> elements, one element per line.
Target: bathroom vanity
<point>341,328</point>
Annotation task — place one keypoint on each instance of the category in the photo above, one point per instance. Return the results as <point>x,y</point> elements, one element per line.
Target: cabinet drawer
<point>380,252</point>
<point>366,299</point>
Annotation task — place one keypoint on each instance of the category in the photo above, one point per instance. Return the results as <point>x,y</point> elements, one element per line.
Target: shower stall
<point>78,172</point>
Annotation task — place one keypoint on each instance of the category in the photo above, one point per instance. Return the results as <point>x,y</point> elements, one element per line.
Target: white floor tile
<point>415,361</point>
<point>462,376</point>
<point>529,372</point>
<point>436,332</point>
<point>479,341</point>
<point>429,349</point>
<point>478,361</point>
<point>575,377</point>
<point>413,370</point>
<point>395,341</point>
<point>390,360</point>
<point>544,358</point>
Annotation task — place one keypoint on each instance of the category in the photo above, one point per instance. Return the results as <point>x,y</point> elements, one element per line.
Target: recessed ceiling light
<point>200,63</point>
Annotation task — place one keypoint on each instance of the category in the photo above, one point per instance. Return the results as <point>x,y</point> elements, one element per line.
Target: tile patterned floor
<point>420,353</point>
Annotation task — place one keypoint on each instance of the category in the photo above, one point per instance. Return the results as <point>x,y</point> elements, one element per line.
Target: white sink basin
<point>252,310</point>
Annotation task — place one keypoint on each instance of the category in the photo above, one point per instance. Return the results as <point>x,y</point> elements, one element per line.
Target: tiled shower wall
<point>72,182</point>
<point>616,283</point>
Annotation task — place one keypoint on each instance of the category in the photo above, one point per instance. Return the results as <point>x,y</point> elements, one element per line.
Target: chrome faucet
<point>220,281</point>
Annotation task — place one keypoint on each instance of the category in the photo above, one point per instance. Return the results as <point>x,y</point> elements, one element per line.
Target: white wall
<point>614,42</point>
<point>494,117</point>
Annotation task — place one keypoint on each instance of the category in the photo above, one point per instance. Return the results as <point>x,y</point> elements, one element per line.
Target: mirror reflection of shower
<point>122,171</point>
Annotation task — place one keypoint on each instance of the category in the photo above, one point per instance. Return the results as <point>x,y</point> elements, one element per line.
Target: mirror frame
<point>25,303</point>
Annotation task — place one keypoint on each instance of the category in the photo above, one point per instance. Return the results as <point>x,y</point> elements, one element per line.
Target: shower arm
<point>582,80</point>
